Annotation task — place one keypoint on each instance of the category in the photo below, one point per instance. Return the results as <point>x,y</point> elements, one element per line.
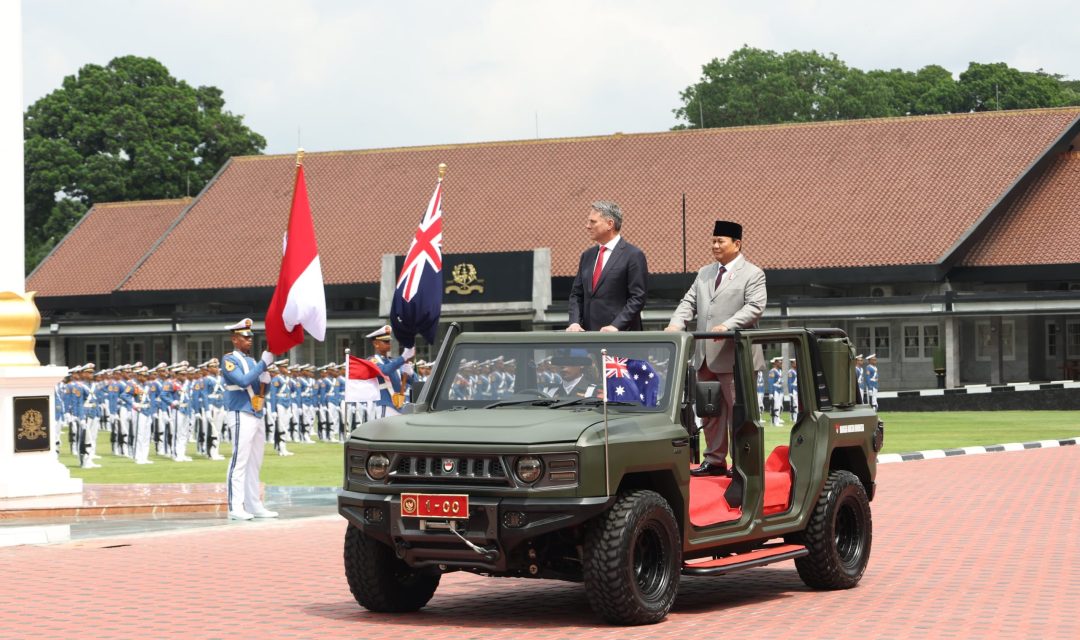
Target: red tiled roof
<point>96,256</point>
<point>1042,226</point>
<point>898,191</point>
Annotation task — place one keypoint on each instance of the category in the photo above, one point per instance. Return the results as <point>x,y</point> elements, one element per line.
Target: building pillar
<point>952,352</point>
<point>57,351</point>
<point>996,360</point>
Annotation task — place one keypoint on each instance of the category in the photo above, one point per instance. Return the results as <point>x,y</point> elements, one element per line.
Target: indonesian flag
<point>299,301</point>
<point>362,380</point>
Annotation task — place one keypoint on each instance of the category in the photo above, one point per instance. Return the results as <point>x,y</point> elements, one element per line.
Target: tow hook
<point>489,554</point>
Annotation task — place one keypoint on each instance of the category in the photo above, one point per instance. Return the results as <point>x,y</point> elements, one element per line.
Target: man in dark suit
<point>609,288</point>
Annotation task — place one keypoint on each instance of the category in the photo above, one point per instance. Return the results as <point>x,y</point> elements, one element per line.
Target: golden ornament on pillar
<point>19,321</point>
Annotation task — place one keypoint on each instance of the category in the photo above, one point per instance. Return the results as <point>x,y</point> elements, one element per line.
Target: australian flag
<point>418,294</point>
<point>631,380</point>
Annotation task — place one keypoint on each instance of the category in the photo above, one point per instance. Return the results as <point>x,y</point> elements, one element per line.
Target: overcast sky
<point>368,74</point>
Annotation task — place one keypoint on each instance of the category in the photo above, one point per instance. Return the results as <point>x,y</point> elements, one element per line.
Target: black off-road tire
<point>838,535</point>
<point>380,581</point>
<point>633,559</point>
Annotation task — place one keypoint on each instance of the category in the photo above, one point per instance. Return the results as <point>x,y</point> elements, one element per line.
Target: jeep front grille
<point>452,469</point>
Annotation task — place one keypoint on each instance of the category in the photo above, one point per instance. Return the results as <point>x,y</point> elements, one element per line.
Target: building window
<point>1052,339</point>
<point>920,341</point>
<point>341,343</point>
<point>161,352</point>
<point>984,340</point>
<point>874,339</point>
<point>134,351</point>
<point>1072,339</point>
<point>98,353</point>
<point>199,350</point>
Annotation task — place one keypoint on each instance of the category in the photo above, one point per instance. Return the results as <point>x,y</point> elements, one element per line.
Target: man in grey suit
<point>728,294</point>
<point>609,289</point>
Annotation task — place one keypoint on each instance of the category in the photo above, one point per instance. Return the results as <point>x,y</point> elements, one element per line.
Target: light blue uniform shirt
<point>240,375</point>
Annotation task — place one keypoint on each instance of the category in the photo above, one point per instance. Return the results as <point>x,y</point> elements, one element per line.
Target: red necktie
<point>719,277</point>
<point>598,267</point>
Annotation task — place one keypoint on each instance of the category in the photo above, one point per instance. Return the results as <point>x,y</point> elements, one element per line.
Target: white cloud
<point>372,74</point>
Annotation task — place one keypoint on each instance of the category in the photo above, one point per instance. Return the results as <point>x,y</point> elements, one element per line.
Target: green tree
<point>753,86</point>
<point>989,87</point>
<point>125,131</point>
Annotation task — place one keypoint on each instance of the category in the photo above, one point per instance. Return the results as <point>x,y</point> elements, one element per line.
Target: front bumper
<point>489,526</point>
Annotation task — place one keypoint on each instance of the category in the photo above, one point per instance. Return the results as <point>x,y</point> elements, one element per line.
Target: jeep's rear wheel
<point>380,581</point>
<point>633,559</point>
<point>838,535</point>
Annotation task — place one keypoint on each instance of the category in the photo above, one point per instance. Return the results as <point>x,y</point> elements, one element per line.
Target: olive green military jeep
<point>568,456</point>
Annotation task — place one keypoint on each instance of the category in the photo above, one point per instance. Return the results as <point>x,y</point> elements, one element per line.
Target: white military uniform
<point>241,374</point>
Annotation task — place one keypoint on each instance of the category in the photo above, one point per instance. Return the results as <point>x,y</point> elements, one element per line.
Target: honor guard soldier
<point>391,386</point>
<point>776,390</point>
<point>761,392</point>
<point>279,405</point>
<point>245,380</point>
<point>793,389</point>
<point>142,406</point>
<point>871,376</point>
<point>216,400</point>
<point>860,381</point>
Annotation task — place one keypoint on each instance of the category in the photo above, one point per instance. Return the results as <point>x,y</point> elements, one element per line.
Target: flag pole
<point>345,392</point>
<point>442,171</point>
<point>607,471</point>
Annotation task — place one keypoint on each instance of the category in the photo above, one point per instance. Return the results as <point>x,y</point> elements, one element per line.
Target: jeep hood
<point>485,426</point>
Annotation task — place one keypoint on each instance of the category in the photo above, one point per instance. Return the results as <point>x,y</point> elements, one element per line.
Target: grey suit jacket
<point>737,303</point>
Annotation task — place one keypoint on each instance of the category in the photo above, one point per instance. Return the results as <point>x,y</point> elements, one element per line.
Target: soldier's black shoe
<point>710,469</point>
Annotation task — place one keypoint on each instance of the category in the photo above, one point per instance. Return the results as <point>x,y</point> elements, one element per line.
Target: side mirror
<point>707,398</point>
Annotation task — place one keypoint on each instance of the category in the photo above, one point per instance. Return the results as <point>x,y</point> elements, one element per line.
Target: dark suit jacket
<point>620,294</point>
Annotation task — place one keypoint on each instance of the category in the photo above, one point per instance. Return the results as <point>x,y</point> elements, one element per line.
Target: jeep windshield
<point>545,376</point>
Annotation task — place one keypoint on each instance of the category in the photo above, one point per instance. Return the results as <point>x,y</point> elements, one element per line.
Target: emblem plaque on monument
<point>31,421</point>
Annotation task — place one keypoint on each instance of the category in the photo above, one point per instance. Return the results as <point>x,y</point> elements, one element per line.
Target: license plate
<point>431,505</point>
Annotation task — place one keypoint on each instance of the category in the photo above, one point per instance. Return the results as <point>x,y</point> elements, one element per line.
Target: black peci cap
<point>732,230</point>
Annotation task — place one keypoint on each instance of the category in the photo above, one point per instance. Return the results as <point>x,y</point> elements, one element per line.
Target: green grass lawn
<point>320,464</point>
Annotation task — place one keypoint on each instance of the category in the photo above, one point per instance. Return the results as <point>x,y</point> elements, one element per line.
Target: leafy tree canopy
<point>125,131</point>
<point>754,86</point>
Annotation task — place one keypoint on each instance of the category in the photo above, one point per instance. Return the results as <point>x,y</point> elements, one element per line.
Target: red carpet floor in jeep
<point>707,503</point>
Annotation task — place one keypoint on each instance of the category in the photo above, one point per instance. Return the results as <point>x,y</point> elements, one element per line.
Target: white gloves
<point>407,368</point>
<point>408,353</point>
<point>264,377</point>
<point>267,358</point>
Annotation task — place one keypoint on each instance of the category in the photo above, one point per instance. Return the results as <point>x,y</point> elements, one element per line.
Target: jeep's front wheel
<point>838,535</point>
<point>633,559</point>
<point>380,581</point>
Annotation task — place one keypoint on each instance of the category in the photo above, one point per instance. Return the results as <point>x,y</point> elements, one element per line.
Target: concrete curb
<point>992,448</point>
<point>974,389</point>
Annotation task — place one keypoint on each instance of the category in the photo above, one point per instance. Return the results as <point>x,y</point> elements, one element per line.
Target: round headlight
<point>528,469</point>
<point>378,465</point>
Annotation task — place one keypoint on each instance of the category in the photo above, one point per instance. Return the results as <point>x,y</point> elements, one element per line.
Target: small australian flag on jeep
<point>631,380</point>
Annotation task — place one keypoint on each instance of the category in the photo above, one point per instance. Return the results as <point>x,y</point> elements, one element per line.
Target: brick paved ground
<point>974,546</point>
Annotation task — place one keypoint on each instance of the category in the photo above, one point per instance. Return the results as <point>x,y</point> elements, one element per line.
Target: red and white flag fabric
<point>299,300</point>
<point>361,380</point>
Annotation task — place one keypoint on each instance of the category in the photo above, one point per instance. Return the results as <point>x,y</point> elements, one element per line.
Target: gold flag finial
<point>299,156</point>
<point>442,171</point>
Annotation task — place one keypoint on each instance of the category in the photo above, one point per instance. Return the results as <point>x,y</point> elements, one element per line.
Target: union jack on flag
<point>417,299</point>
<point>614,367</point>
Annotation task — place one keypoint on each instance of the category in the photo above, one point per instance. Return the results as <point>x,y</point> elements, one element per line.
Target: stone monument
<point>29,463</point>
